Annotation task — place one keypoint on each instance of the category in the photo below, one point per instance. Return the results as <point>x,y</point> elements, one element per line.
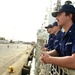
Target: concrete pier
<point>13,55</point>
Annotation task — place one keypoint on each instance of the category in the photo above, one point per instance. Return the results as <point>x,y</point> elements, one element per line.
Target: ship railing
<point>49,69</point>
<point>57,70</point>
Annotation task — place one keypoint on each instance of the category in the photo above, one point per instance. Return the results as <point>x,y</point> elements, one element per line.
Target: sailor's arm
<point>53,53</point>
<point>66,61</point>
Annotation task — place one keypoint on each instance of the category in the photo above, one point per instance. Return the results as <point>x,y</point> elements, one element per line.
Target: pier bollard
<point>11,69</point>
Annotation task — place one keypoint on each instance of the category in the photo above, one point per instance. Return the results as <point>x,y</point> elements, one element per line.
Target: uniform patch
<point>56,41</point>
<point>68,43</point>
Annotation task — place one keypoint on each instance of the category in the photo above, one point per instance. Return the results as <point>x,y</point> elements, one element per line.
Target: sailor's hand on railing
<point>45,58</point>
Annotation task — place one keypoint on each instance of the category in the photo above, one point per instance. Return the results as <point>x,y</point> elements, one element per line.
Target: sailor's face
<point>54,29</point>
<point>49,30</point>
<point>61,18</point>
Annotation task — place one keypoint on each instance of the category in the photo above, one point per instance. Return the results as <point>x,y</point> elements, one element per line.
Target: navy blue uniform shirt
<point>58,38</point>
<point>51,39</point>
<point>67,44</point>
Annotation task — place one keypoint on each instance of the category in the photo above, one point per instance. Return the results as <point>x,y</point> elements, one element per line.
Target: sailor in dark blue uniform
<point>49,45</point>
<point>58,32</point>
<point>50,42</point>
<point>54,36</point>
<point>67,43</point>
<point>66,48</point>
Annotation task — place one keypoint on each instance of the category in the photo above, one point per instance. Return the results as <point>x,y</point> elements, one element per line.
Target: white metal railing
<point>48,69</point>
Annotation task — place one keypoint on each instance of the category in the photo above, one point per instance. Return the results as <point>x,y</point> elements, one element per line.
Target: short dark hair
<point>73,16</point>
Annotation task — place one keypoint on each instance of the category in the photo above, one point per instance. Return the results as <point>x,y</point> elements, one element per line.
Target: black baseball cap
<point>64,8</point>
<point>55,24</point>
<point>49,26</point>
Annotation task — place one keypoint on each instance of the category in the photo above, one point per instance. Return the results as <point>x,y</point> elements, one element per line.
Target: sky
<point>20,19</point>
